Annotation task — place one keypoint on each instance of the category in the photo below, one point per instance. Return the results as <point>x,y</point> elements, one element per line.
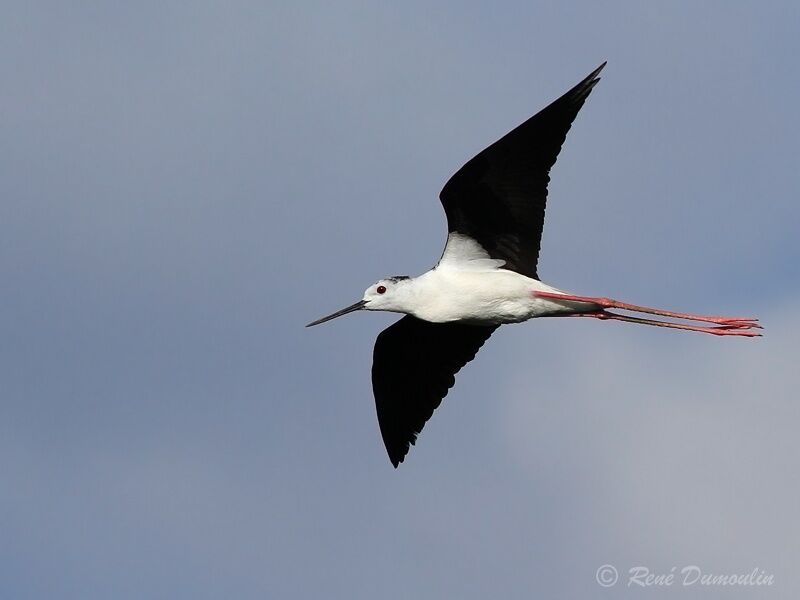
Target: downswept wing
<point>414,365</point>
<point>498,198</point>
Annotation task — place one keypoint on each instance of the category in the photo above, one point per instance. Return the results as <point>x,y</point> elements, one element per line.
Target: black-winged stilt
<point>486,277</point>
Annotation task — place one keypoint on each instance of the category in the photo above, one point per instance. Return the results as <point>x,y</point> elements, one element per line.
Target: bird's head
<point>385,294</point>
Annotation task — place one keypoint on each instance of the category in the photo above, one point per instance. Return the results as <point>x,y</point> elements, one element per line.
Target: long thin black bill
<point>357,306</point>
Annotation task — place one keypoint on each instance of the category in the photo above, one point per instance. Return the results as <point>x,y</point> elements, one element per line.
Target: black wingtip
<point>592,78</point>
<point>596,72</point>
<point>581,91</point>
<point>397,457</point>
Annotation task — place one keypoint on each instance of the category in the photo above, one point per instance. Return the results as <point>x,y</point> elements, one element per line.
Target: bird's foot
<point>724,322</point>
<point>740,330</point>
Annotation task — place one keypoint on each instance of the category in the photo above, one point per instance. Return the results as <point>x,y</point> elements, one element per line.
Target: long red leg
<point>741,322</point>
<point>716,330</point>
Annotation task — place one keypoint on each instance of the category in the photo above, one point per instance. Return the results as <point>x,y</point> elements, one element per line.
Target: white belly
<point>493,296</point>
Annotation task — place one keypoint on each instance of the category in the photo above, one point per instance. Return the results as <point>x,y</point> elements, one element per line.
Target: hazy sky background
<point>184,185</point>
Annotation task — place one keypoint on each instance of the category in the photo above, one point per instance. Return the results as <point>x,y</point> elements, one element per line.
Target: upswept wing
<point>498,198</point>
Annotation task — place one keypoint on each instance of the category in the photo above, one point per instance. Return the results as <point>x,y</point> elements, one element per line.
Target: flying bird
<point>487,276</point>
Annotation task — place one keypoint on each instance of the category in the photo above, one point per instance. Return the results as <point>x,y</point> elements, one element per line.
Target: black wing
<point>498,198</point>
<point>413,367</point>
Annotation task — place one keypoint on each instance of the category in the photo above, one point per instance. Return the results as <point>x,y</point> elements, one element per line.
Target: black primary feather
<point>414,365</point>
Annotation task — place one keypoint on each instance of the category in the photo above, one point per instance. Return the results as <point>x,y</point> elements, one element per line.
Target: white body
<point>493,296</point>
<point>468,285</point>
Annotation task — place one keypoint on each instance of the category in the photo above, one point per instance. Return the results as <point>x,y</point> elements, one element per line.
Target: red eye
<point>381,289</point>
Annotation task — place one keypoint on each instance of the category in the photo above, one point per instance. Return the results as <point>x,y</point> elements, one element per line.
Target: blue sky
<point>185,185</point>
